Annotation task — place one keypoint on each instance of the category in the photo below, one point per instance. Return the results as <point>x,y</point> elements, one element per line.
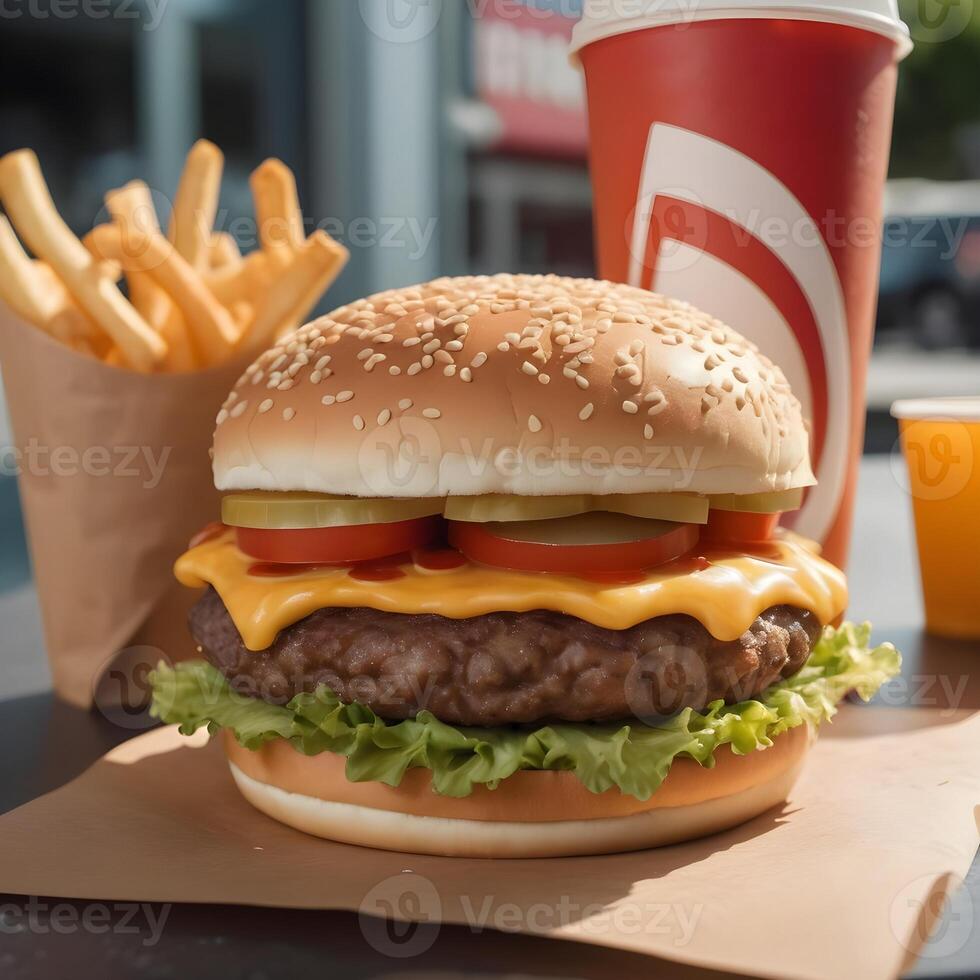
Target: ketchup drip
<point>208,533</point>
<point>438,559</point>
<point>381,569</point>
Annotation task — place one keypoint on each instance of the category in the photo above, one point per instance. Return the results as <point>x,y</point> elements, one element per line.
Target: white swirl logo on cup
<point>675,220</point>
<point>400,21</point>
<point>399,917</point>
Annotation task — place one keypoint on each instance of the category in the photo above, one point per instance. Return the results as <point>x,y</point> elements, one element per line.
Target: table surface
<point>55,742</point>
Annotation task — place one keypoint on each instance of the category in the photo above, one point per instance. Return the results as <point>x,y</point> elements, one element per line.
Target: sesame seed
<point>449,370</point>
<point>581,382</point>
<point>285,385</point>
<point>503,347</point>
<point>294,369</point>
<point>528,368</point>
<point>345,396</point>
<point>466,374</point>
<point>315,377</point>
<point>222,417</point>
<point>414,368</point>
<point>394,370</point>
<point>325,400</point>
<point>365,354</point>
<point>278,362</point>
<point>514,338</point>
<point>411,341</point>
<point>265,406</point>
<point>534,423</point>
<point>454,345</point>
<point>444,356</point>
<point>238,409</point>
<point>405,404</point>
<point>322,363</point>
<point>544,378</point>
<point>289,414</point>
<point>479,360</point>
<point>648,432</point>
<point>384,338</point>
<point>432,345</point>
<point>431,413</point>
<point>631,408</point>
<point>586,412</point>
<point>384,416</point>
<point>427,361</point>
<point>373,360</point>
<point>358,422</point>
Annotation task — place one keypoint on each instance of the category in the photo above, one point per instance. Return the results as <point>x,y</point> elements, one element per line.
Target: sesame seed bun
<point>530,814</point>
<point>512,384</point>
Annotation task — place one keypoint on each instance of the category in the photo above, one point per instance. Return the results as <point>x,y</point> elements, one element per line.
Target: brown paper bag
<point>115,477</point>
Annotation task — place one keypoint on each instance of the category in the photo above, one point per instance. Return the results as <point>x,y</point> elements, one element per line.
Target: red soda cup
<point>738,158</point>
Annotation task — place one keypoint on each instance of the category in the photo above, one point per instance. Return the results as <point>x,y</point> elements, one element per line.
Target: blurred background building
<point>449,136</point>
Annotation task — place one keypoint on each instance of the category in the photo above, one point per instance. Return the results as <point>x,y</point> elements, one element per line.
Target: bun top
<point>512,384</point>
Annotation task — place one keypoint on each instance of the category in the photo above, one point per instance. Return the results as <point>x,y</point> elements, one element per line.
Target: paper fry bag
<point>115,477</point>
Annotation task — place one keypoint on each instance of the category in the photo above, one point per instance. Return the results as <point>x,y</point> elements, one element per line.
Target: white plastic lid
<point>963,408</point>
<point>606,18</point>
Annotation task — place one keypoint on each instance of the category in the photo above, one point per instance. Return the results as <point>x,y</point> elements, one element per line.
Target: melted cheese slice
<point>726,597</point>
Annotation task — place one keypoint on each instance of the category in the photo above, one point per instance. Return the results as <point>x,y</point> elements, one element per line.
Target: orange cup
<point>941,443</point>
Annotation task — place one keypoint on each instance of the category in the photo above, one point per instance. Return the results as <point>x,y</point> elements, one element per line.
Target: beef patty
<point>504,667</point>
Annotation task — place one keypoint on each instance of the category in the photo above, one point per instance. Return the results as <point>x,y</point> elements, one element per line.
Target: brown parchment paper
<point>115,477</point>
<point>841,882</point>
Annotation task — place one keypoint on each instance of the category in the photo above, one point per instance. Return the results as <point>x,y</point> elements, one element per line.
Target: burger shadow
<point>193,788</point>
<point>939,685</point>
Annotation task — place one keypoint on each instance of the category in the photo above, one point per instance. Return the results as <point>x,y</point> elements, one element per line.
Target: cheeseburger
<point>499,573</point>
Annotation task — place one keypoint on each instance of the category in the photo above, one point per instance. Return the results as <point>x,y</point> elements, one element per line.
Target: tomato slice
<point>341,545</point>
<point>738,527</point>
<point>587,544</point>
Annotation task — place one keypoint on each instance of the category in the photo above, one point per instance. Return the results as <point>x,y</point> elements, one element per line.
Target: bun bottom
<point>692,802</point>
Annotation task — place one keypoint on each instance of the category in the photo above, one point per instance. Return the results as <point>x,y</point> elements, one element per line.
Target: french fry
<point>277,211</point>
<point>28,202</point>
<point>225,253</point>
<point>196,204</point>
<point>36,294</point>
<point>215,330</point>
<point>316,264</point>
<point>247,281</point>
<point>132,207</point>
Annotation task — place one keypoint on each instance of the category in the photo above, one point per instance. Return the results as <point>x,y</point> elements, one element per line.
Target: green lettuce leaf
<point>633,756</point>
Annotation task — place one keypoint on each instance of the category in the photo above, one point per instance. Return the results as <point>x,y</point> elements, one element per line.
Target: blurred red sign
<point>523,73</point>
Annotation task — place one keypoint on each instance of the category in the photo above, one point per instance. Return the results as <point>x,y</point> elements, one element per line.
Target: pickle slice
<point>685,508</point>
<point>487,507</point>
<point>758,503</point>
<point>279,511</point>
